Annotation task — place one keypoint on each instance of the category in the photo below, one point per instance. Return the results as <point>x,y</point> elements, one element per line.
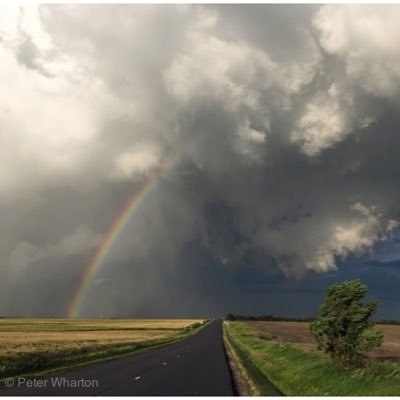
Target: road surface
<point>196,366</point>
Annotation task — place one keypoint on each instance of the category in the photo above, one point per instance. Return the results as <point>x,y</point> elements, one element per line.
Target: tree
<point>344,329</point>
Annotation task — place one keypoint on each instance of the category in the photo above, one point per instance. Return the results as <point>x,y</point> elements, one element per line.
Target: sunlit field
<point>34,345</point>
<point>34,324</point>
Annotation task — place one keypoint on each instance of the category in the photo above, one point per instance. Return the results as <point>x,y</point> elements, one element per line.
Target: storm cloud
<point>279,126</point>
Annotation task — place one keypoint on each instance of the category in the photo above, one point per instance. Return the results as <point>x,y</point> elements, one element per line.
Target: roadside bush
<point>344,329</point>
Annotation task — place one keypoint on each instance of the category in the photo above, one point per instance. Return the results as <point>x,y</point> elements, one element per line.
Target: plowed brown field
<point>298,333</point>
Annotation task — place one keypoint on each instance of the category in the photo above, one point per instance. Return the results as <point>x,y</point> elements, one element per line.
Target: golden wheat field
<point>31,345</point>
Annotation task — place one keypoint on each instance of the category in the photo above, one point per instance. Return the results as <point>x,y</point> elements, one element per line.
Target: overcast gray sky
<point>280,128</point>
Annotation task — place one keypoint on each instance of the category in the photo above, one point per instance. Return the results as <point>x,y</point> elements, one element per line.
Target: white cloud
<point>323,124</point>
<point>231,72</point>
<point>50,109</point>
<point>141,159</point>
<point>251,135</point>
<point>356,236</point>
<point>366,38</point>
<point>249,141</point>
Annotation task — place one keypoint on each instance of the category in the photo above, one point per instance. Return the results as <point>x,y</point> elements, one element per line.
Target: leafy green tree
<point>344,329</point>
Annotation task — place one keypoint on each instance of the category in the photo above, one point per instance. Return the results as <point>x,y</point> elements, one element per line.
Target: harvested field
<point>31,345</point>
<point>53,324</point>
<point>298,333</point>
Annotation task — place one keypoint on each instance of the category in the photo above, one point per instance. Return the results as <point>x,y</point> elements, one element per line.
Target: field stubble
<point>34,345</point>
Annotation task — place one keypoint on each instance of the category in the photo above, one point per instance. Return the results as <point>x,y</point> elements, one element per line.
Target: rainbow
<point>103,251</point>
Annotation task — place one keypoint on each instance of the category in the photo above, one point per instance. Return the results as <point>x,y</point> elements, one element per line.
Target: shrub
<point>343,329</point>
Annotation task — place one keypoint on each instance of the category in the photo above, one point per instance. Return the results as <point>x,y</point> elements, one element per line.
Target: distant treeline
<point>237,317</point>
<point>387,322</point>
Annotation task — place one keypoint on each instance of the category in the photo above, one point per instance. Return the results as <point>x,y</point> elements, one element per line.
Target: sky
<point>270,134</point>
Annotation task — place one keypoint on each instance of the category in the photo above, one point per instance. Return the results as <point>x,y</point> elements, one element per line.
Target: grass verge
<point>249,380</point>
<point>297,371</point>
<point>242,383</point>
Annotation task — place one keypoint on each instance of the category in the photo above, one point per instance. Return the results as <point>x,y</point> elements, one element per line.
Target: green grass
<point>297,371</point>
<point>31,347</point>
<point>251,381</point>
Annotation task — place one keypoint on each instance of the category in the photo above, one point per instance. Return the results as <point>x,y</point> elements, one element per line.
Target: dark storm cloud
<point>279,123</point>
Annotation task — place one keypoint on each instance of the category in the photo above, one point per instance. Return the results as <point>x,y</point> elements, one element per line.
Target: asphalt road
<point>196,366</point>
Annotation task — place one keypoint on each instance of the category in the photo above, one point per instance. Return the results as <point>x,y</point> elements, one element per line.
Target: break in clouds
<point>278,126</point>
